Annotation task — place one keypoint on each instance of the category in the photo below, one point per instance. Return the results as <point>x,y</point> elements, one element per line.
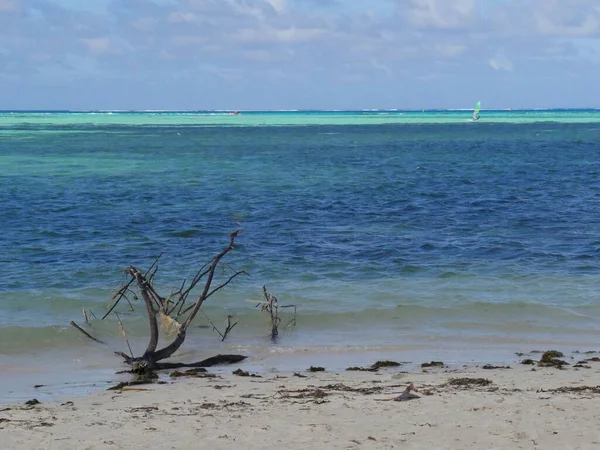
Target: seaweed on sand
<point>550,359</point>
<point>375,366</point>
<point>468,382</point>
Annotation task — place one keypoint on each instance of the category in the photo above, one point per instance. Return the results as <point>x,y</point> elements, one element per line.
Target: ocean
<point>406,235</point>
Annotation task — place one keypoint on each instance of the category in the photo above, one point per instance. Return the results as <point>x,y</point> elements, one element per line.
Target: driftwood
<point>174,311</point>
<point>85,333</point>
<point>271,306</point>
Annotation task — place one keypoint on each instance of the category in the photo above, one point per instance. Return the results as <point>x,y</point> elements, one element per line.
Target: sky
<point>298,54</point>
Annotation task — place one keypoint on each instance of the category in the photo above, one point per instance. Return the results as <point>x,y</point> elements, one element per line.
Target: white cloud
<point>377,65</point>
<point>581,19</point>
<point>256,10</point>
<point>442,14</point>
<point>258,55</point>
<point>98,45</point>
<point>501,62</point>
<point>315,41</point>
<point>105,46</point>
<point>181,17</point>
<point>274,35</point>
<point>278,5</point>
<point>450,50</point>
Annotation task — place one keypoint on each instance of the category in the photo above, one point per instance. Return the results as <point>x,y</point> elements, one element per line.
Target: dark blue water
<point>396,232</point>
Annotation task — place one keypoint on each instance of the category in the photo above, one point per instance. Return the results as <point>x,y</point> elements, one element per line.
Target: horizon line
<point>233,110</point>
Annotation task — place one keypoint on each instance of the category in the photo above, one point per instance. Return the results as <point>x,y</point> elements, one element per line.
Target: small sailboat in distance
<point>476,111</point>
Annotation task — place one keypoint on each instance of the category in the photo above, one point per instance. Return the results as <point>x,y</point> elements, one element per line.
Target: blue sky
<point>298,54</point>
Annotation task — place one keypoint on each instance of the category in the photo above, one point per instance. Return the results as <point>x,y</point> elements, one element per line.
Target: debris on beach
<point>551,354</point>
<point>405,396</point>
<point>29,424</point>
<point>582,365</point>
<point>315,393</point>
<point>550,359</point>
<point>375,366</point>
<point>126,385</point>
<point>360,369</point>
<point>492,367</point>
<point>196,373</point>
<point>344,388</point>
<point>589,360</point>
<point>245,373</point>
<point>385,363</point>
<point>585,363</point>
<point>468,382</point>
<point>574,389</point>
<point>432,364</point>
<point>32,402</point>
<point>316,369</point>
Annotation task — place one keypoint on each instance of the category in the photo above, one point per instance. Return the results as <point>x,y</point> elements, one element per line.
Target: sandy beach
<point>524,406</point>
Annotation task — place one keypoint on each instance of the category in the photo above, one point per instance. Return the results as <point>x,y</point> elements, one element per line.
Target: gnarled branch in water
<point>175,309</point>
<point>271,306</point>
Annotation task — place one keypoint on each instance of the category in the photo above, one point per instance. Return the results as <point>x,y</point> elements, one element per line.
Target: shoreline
<point>57,379</point>
<point>486,408</point>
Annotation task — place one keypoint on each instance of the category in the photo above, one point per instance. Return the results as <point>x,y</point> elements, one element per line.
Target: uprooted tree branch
<point>174,310</point>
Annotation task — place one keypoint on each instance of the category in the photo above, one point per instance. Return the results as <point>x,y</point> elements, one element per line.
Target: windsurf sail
<point>476,111</point>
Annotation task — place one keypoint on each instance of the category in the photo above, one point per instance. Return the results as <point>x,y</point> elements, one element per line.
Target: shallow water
<point>389,232</point>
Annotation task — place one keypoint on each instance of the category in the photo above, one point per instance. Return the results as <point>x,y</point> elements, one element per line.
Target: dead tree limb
<point>229,326</point>
<point>116,298</point>
<point>86,333</point>
<point>173,307</point>
<point>212,324</point>
<point>124,333</point>
<point>208,362</point>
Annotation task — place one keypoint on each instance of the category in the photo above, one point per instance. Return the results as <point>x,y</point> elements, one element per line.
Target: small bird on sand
<point>406,395</point>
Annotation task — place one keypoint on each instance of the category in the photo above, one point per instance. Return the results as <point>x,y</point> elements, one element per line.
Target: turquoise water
<point>390,231</point>
<point>53,119</point>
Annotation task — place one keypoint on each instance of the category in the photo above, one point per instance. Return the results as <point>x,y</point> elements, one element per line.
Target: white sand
<point>233,412</point>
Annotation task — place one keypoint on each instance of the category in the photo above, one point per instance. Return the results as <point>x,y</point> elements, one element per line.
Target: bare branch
<point>86,333</point>
<point>118,296</point>
<point>124,334</point>
<point>121,292</point>
<point>292,321</point>
<point>229,327</point>
<point>144,286</point>
<point>241,272</point>
<point>172,306</point>
<point>208,282</point>
<point>131,308</point>
<point>213,325</point>
<point>216,289</point>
